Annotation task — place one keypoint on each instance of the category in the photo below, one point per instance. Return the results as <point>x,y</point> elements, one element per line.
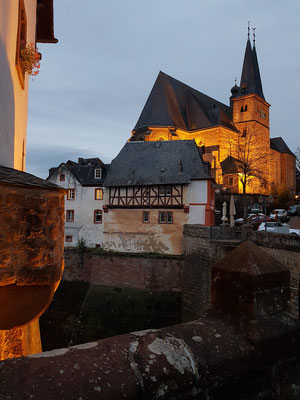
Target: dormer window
<point>98,173</point>
<point>62,177</point>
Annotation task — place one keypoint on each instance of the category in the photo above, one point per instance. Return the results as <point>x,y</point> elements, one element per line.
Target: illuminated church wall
<point>14,105</point>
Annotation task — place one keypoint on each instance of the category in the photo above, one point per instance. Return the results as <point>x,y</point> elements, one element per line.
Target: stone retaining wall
<point>139,272</point>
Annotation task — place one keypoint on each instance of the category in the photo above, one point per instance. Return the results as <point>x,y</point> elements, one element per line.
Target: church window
<point>230,181</point>
<point>70,216</point>
<point>21,40</point>
<point>98,216</point>
<point>244,108</point>
<point>71,194</point>
<point>146,217</point>
<point>98,173</point>
<point>98,194</point>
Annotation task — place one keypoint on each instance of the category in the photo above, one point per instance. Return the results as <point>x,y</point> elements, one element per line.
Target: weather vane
<point>253,36</point>
<point>248,30</point>
<point>235,80</point>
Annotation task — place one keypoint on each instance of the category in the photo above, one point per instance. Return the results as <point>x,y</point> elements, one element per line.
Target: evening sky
<point>94,83</point>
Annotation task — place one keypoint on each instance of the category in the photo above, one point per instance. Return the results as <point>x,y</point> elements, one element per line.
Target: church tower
<point>251,116</point>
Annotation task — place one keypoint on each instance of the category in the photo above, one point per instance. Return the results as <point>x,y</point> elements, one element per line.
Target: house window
<point>98,246</point>
<point>168,190</point>
<point>146,217</point>
<point>21,40</point>
<point>165,217</point>
<point>161,190</point>
<point>62,177</point>
<point>71,194</point>
<point>69,238</point>
<point>70,216</point>
<point>98,194</point>
<point>98,173</point>
<point>98,216</point>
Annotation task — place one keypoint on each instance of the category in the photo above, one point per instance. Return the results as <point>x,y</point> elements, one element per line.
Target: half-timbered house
<point>152,189</point>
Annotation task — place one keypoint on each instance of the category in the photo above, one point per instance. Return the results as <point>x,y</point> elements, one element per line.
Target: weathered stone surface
<point>250,282</point>
<point>134,271</point>
<point>31,246</point>
<point>218,356</point>
<point>203,359</point>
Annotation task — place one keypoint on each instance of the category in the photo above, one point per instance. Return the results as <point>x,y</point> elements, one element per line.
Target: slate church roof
<point>172,103</point>
<point>278,144</point>
<point>250,78</point>
<point>157,163</point>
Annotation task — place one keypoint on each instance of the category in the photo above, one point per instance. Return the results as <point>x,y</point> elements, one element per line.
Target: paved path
<point>295,222</point>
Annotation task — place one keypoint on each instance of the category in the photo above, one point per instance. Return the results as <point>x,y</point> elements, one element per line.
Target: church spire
<point>250,78</point>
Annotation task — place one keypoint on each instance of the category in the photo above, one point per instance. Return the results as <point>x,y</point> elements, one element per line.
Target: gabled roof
<point>84,170</point>
<point>19,178</point>
<point>231,165</point>
<point>278,144</point>
<point>156,163</point>
<point>250,78</point>
<point>172,103</point>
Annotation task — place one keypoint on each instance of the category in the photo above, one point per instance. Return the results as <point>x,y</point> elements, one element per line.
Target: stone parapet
<point>221,355</point>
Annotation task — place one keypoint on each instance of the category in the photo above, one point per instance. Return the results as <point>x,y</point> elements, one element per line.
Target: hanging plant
<point>30,59</point>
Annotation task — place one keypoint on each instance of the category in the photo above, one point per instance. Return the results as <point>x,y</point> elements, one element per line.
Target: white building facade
<point>84,214</point>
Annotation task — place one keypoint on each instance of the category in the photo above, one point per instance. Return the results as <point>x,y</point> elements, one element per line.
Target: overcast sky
<point>94,83</point>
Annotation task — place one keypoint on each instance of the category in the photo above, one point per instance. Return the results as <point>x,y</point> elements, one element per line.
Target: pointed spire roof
<point>250,78</point>
<point>174,104</point>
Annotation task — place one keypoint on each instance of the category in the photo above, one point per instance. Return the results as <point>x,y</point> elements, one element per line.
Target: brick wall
<point>142,272</point>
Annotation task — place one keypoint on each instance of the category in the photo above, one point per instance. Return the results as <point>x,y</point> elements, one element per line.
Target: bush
<point>81,245</point>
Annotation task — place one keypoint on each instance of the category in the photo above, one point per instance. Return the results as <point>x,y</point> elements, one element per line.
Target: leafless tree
<point>251,160</point>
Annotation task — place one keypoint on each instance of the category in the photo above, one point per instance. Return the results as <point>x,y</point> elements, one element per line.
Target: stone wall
<point>245,348</point>
<point>31,257</point>
<point>204,246</point>
<point>286,249</point>
<point>200,253</point>
<point>132,271</point>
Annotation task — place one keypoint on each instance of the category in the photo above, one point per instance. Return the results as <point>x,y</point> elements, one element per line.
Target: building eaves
<point>19,178</point>
<point>278,144</point>
<point>45,22</point>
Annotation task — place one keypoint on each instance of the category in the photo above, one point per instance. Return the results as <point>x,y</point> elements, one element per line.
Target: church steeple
<point>250,78</point>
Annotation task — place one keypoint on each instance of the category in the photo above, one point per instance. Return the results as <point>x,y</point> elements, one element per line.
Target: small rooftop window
<point>98,173</point>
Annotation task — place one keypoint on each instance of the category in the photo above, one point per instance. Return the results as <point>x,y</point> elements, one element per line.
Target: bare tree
<point>251,159</point>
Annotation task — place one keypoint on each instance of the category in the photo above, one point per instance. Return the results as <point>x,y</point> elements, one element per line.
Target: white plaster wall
<point>83,206</point>
<point>197,202</point>
<point>13,99</point>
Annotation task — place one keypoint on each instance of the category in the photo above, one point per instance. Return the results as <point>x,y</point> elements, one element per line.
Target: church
<point>234,139</point>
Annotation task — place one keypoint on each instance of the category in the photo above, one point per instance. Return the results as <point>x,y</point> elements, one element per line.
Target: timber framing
<point>150,196</point>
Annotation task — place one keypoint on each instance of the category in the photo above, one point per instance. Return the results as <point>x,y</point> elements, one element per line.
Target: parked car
<point>278,213</point>
<point>240,221</point>
<point>256,220</point>
<point>270,227</point>
<point>293,210</point>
